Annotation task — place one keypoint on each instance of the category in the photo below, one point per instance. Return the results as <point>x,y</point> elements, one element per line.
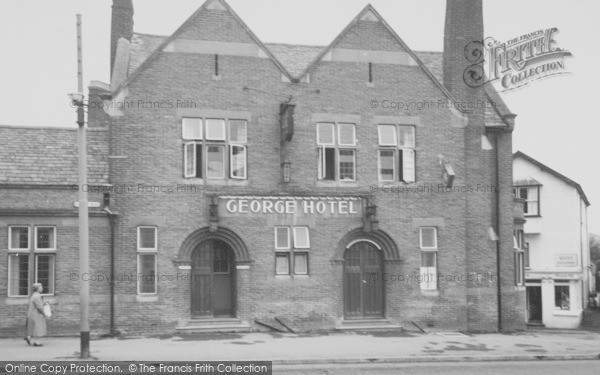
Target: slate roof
<point>295,58</point>
<point>142,46</point>
<point>547,169</point>
<point>48,156</point>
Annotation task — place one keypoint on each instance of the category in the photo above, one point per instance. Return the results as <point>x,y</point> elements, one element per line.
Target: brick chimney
<point>121,26</point>
<point>464,24</point>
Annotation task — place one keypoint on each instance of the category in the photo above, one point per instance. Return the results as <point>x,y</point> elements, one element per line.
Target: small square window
<point>346,135</point>
<point>387,135</point>
<point>18,238</point>
<point>300,263</point>
<point>191,128</point>
<point>428,237</point>
<point>282,264</point>
<point>45,238</point>
<point>325,134</point>
<point>282,238</point>
<point>301,238</point>
<point>215,129</point>
<point>237,131</point>
<point>147,238</point>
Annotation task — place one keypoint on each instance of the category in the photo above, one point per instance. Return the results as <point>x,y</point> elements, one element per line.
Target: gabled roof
<point>547,169</point>
<point>146,62</point>
<point>369,11</point>
<point>48,156</point>
<point>295,58</point>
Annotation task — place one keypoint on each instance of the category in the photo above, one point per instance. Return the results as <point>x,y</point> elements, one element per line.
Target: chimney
<point>121,26</point>
<point>464,24</point>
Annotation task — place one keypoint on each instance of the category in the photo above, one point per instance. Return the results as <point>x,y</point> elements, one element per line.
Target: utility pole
<point>84,263</point>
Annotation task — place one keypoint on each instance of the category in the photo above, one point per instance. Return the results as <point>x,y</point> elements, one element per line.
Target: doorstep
<point>204,325</point>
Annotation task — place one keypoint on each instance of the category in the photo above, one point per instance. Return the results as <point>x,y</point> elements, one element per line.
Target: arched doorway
<point>363,287</point>
<point>213,280</point>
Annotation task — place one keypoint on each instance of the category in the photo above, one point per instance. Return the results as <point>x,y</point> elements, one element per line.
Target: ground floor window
<point>562,297</point>
<point>19,273</point>
<point>292,245</point>
<point>147,274</point>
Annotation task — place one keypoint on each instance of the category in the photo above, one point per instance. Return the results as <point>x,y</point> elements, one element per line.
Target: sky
<point>556,122</point>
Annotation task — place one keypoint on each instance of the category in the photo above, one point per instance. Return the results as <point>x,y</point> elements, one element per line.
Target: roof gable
<point>551,171</point>
<point>193,29</point>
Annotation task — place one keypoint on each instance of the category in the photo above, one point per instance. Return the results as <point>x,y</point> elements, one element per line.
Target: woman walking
<point>36,321</point>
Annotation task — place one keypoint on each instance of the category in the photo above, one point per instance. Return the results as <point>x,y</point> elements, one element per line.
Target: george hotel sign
<point>290,205</point>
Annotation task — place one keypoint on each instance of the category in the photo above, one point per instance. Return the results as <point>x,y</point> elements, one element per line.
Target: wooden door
<point>212,284</point>
<point>534,304</point>
<point>363,287</point>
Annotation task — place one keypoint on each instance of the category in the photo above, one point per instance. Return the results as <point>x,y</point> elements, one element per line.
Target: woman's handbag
<point>47,311</point>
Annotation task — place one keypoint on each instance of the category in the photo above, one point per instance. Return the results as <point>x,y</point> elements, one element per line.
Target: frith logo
<point>515,63</point>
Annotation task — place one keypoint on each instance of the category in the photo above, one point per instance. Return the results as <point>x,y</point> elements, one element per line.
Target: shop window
<point>428,246</point>
<point>337,153</point>
<point>28,263</point>
<point>562,298</point>
<point>147,247</point>
<point>397,154</point>
<point>531,195</point>
<point>214,148</point>
<point>291,254</point>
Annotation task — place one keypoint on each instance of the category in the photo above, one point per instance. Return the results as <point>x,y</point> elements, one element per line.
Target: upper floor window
<point>214,148</point>
<point>397,155</point>
<point>337,151</point>
<point>531,194</point>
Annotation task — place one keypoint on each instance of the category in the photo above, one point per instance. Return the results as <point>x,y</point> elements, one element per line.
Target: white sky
<point>556,121</point>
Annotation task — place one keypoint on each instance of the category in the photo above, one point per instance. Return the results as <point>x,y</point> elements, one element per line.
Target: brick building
<point>355,184</point>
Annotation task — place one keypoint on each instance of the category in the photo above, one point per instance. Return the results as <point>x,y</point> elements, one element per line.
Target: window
<point>531,195</point>
<point>31,264</point>
<point>337,153</point>
<point>519,268</point>
<point>291,259</point>
<point>428,245</point>
<point>18,238</point>
<point>214,149</point>
<point>397,155</point>
<point>428,237</point>
<point>147,240</point>
<point>44,238</point>
<point>561,295</point>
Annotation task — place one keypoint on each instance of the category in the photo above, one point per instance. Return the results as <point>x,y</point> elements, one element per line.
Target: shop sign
<point>565,260</point>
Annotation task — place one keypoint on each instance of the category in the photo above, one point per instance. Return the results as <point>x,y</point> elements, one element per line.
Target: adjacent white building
<point>558,275</point>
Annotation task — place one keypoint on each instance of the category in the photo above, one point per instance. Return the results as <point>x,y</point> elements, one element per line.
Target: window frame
<point>35,244</point>
<point>289,240</point>
<point>394,163</point>
<point>9,273</point>
<point>245,148</point>
<point>435,238</point>
<point>563,284</point>
<point>400,154</point>
<point>339,134</point>
<point>337,146</point>
<point>53,274</point>
<point>338,167</point>
<point>293,250</point>
<point>333,133</point>
<point>287,256</point>
<point>201,128</point>
<point>10,248</point>
<point>528,189</point>
<point>238,142</point>
<point>139,279</point>
<point>428,285</point>
<point>147,249</point>
<point>296,245</point>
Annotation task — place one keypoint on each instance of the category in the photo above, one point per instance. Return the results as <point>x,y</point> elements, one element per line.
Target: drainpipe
<point>498,268</point>
<point>111,218</point>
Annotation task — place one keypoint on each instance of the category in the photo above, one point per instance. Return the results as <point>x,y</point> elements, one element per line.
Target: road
<point>453,368</point>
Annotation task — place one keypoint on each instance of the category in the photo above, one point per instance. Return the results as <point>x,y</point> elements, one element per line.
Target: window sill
<point>17,300</point>
<point>566,313</point>
<point>215,182</point>
<point>341,183</point>
<point>430,293</point>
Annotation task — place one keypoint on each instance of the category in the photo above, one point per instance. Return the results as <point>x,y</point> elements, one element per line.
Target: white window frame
<point>185,160</point>
<point>9,272</point>
<point>229,121</point>
<point>395,133</point>
<point>35,244</point>
<point>332,133</point>
<point>223,129</point>
<point>139,281</point>
<point>339,133</point>
<point>302,253</point>
<point>231,162</point>
<point>394,164</point>
<point>287,255</point>
<point>337,164</point>
<point>36,269</point>
<point>414,140</point>
<point>568,285</point>
<point>296,231</point>
<point>429,281</point>
<point>205,160</point>
<point>28,248</point>
<point>435,238</point>
<point>200,127</point>
<point>289,239</point>
<point>147,249</point>
<point>519,267</point>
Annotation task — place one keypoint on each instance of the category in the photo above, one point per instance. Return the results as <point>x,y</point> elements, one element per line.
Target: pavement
<point>321,348</point>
